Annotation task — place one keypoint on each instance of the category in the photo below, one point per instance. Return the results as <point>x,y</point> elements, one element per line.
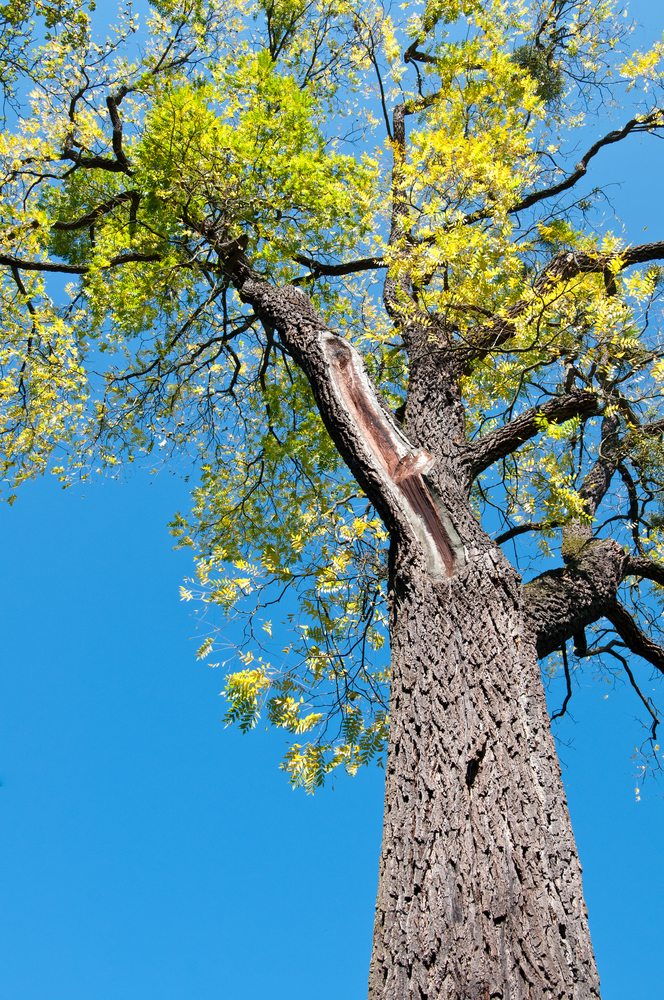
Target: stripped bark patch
<point>403,464</point>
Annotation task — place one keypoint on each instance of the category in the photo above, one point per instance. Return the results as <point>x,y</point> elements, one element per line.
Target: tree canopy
<point>424,164</point>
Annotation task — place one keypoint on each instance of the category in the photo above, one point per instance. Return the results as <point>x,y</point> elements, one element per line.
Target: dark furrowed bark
<point>435,421</point>
<point>480,889</point>
<point>562,602</point>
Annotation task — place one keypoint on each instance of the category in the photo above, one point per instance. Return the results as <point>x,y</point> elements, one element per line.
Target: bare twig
<point>558,715</point>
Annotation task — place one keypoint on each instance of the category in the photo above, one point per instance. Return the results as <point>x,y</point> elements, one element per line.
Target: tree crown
<point>350,150</point>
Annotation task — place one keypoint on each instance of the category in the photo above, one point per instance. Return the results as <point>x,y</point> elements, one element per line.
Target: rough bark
<point>643,567</point>
<point>480,889</point>
<point>562,602</point>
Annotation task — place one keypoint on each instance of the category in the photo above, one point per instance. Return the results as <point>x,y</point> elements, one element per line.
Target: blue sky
<point>150,854</point>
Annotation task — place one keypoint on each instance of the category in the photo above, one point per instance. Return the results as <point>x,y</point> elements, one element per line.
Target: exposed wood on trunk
<point>403,464</point>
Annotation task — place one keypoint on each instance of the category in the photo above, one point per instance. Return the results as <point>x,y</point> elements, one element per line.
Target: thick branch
<point>632,496</point>
<point>396,291</point>
<point>598,479</point>
<point>612,450</point>
<point>634,637</point>
<point>504,440</point>
<point>38,265</point>
<point>112,104</point>
<point>413,55</point>
<point>367,435</point>
<point>563,267</point>
<point>645,568</point>
<point>22,289</point>
<point>566,266</point>
<point>560,603</point>
<point>91,162</point>
<point>318,268</point>
<point>120,164</point>
<point>652,429</point>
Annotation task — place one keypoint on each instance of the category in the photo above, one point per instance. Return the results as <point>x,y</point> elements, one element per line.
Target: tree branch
<point>593,488</point>
<point>43,265</point>
<point>412,55</point>
<point>560,603</point>
<point>91,217</point>
<point>630,485</point>
<point>567,265</point>
<point>112,102</point>
<point>610,649</point>
<point>646,568</point>
<point>521,529</point>
<point>22,289</point>
<point>367,435</point>
<point>568,679</point>
<point>318,268</point>
<point>654,120</point>
<point>502,441</point>
<point>596,483</point>
<point>633,636</point>
<point>646,701</point>
<point>563,267</point>
<point>91,162</point>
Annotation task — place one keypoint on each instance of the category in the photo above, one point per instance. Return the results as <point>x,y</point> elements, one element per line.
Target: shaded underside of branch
<point>636,640</point>
<point>645,568</point>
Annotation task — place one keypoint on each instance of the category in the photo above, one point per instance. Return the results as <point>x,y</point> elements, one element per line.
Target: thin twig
<point>558,715</point>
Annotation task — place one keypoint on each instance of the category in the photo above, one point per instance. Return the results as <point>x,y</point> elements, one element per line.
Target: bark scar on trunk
<point>403,465</point>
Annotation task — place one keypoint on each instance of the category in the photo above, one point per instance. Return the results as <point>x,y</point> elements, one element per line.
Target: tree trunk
<point>480,889</point>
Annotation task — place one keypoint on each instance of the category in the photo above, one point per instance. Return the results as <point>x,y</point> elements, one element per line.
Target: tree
<point>227,207</point>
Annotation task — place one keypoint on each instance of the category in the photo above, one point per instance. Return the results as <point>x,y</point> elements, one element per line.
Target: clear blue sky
<point>149,854</point>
